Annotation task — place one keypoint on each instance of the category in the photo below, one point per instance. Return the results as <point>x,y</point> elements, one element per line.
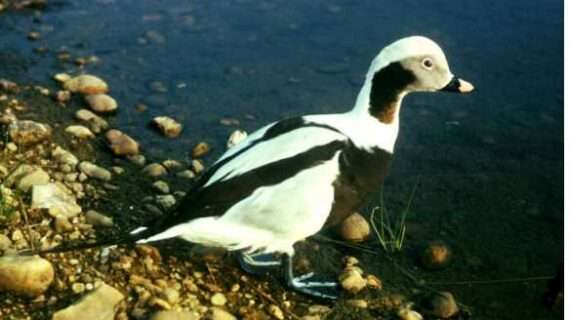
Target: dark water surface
<point>489,164</point>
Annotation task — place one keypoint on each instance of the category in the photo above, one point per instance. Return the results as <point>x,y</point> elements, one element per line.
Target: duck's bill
<point>458,85</point>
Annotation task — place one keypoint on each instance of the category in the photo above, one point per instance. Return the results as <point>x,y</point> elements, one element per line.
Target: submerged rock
<point>200,150</point>
<point>55,199</point>
<point>442,305</point>
<point>168,126</point>
<point>154,170</point>
<point>99,304</point>
<point>27,132</point>
<point>354,228</point>
<point>436,255</point>
<point>121,144</point>
<point>101,103</point>
<point>25,275</point>
<point>94,171</point>
<point>86,84</point>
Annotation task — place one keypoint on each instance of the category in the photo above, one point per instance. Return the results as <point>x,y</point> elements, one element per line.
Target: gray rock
<point>27,132</point>
<point>54,198</point>
<point>98,219</point>
<point>33,178</point>
<point>99,304</point>
<point>161,186</point>
<point>25,275</point>
<point>94,171</point>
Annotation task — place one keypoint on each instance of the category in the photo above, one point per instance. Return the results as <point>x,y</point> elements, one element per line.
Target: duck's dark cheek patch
<point>387,85</point>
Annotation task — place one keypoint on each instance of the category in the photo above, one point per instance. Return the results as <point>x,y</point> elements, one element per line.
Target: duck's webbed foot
<point>257,263</point>
<point>309,284</point>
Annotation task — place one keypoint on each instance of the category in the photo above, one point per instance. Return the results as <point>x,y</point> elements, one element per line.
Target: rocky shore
<point>68,176</point>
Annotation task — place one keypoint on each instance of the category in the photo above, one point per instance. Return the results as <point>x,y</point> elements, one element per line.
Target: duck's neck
<point>379,102</point>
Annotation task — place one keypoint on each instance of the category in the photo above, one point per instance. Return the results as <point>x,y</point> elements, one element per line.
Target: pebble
<point>122,144</point>
<point>99,304</point>
<point>62,224</point>
<point>436,255</point>
<point>25,275</point>
<point>27,132</point>
<point>86,84</point>
<point>166,201</point>
<point>197,166</point>
<point>61,77</point>
<point>175,315</point>
<point>78,287</point>
<point>186,174</point>
<point>138,160</point>
<point>55,199</point>
<point>64,157</point>
<point>236,137</point>
<point>168,126</point>
<point>95,122</point>
<point>161,186</point>
<point>154,170</point>
<point>408,314</point>
<point>17,174</point>
<point>98,219</point>
<point>36,177</point>
<point>101,103</point>
<point>79,132</point>
<point>358,303</point>
<point>62,96</point>
<point>200,150</point>
<point>220,314</point>
<point>276,312</point>
<point>171,295</point>
<point>172,165</point>
<point>94,171</point>
<point>351,280</point>
<point>218,299</point>
<point>443,305</point>
<point>354,228</point>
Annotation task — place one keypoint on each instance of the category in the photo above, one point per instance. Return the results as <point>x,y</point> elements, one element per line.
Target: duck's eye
<point>427,63</point>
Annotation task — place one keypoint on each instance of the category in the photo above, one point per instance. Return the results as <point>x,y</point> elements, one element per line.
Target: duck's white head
<point>411,64</point>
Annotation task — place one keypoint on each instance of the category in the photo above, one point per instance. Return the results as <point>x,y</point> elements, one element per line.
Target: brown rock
<point>443,305</point>
<point>200,150</point>
<point>25,275</point>
<point>121,144</point>
<point>101,103</point>
<point>86,84</point>
<point>96,123</point>
<point>351,280</point>
<point>354,228</point>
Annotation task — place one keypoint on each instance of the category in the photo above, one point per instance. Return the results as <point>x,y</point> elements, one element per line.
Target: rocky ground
<point>68,177</point>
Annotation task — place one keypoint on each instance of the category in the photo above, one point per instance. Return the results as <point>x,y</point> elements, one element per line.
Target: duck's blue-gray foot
<point>257,264</point>
<point>308,283</point>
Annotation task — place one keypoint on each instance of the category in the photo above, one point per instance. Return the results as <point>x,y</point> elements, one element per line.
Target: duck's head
<point>410,64</point>
<point>415,64</point>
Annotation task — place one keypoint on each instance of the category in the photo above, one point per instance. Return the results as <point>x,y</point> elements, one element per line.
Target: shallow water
<point>489,164</point>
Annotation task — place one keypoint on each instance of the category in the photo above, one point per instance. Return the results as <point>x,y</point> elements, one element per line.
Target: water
<point>489,164</point>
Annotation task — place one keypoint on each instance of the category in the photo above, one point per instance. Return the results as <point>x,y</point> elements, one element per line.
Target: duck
<point>291,178</point>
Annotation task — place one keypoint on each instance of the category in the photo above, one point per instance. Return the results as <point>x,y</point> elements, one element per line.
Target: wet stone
<point>36,177</point>
<point>79,132</point>
<point>200,150</point>
<point>236,137</point>
<point>86,84</point>
<point>168,126</point>
<point>161,187</point>
<point>55,199</point>
<point>154,170</point>
<point>101,103</point>
<point>354,228</point>
<point>95,123</point>
<point>186,174</point>
<point>98,219</point>
<point>94,171</point>
<point>121,144</point>
<point>166,201</point>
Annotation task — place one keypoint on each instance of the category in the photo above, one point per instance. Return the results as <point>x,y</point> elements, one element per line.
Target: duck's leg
<point>307,284</point>
<point>257,264</point>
